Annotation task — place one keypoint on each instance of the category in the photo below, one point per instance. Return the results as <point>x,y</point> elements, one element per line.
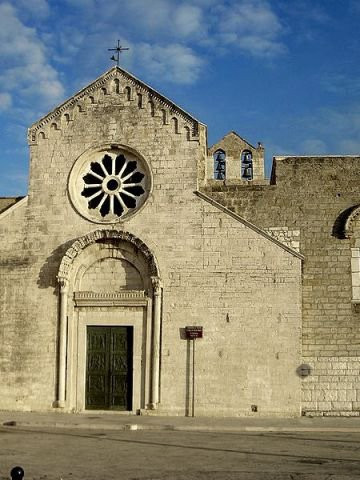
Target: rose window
<point>109,185</point>
<point>113,185</point>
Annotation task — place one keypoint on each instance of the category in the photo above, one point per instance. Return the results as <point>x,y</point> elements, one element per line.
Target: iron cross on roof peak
<point>118,50</point>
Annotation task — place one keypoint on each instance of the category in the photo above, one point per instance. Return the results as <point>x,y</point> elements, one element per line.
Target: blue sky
<point>283,72</point>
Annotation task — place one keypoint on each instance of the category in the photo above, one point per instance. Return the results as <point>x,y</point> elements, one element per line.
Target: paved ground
<point>55,445</point>
<point>79,454</point>
<point>119,421</point>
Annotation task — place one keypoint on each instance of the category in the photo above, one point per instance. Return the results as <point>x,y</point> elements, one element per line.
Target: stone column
<point>155,359</point>
<point>62,343</point>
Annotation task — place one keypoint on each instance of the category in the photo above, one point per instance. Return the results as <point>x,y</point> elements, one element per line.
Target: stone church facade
<point>133,229</point>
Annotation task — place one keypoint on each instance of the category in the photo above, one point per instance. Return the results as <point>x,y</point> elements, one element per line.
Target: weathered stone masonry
<point>316,196</point>
<point>125,229</point>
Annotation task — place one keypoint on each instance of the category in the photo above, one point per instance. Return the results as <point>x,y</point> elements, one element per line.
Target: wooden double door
<point>109,368</point>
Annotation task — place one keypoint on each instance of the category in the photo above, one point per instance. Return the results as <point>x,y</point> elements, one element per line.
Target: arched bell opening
<point>219,165</point>
<point>247,170</point>
<point>109,324</point>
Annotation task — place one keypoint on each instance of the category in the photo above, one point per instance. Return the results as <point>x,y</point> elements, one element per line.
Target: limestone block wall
<point>111,275</point>
<point>243,288</point>
<point>288,237</point>
<point>333,387</point>
<point>245,292</point>
<point>173,152</point>
<point>15,267</point>
<point>313,195</point>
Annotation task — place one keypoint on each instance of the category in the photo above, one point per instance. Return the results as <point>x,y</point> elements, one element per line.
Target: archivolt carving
<point>351,220</point>
<point>103,235</point>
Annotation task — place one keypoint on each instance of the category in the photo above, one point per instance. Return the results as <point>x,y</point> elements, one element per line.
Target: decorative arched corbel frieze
<point>105,81</point>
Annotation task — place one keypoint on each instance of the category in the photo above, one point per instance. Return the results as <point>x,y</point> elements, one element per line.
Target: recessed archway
<point>109,285</point>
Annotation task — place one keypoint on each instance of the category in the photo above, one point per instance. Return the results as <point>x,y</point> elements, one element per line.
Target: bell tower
<point>234,160</point>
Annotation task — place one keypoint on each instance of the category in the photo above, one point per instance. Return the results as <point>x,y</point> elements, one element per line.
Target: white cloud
<point>23,54</point>
<point>188,20</point>
<point>166,38</point>
<point>251,25</point>
<point>174,63</point>
<point>164,18</point>
<point>35,79</point>
<point>261,47</point>
<point>155,18</point>
<point>5,101</point>
<point>251,16</point>
<point>160,37</point>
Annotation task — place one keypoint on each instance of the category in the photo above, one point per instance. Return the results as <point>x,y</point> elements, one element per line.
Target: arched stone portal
<point>110,297</point>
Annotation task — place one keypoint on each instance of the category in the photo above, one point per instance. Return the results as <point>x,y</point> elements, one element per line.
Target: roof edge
<point>284,157</point>
<point>242,220</point>
<point>234,133</point>
<point>100,81</point>
<point>13,207</point>
<point>167,100</point>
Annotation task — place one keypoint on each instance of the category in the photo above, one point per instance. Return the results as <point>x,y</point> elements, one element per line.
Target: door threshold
<point>109,412</point>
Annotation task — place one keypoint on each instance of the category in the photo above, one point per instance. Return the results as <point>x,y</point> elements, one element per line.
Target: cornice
<point>124,298</point>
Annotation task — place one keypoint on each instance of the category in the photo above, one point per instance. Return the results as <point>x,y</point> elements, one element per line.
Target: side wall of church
<point>246,293</point>
<point>311,194</point>
<point>15,297</point>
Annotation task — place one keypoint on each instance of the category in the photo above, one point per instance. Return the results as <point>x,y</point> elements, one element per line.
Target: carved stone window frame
<point>352,232</point>
<point>82,167</point>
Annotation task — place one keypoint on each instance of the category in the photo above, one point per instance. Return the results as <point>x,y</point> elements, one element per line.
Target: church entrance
<point>109,325</point>
<point>109,368</point>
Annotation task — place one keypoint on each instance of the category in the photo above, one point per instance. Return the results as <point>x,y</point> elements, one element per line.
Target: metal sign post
<point>192,333</point>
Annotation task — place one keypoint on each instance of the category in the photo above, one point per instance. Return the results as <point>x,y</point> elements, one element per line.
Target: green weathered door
<point>109,368</point>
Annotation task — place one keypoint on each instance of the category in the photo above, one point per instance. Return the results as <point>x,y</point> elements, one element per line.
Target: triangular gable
<point>225,137</point>
<point>115,72</point>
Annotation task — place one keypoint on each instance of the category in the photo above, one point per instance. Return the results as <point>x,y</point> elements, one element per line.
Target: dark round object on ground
<point>17,473</point>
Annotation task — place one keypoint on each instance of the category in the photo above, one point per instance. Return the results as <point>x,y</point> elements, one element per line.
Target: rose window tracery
<point>109,184</point>
<point>113,185</point>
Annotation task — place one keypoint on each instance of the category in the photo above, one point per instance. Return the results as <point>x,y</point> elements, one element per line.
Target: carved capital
<point>156,284</point>
<point>64,284</point>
